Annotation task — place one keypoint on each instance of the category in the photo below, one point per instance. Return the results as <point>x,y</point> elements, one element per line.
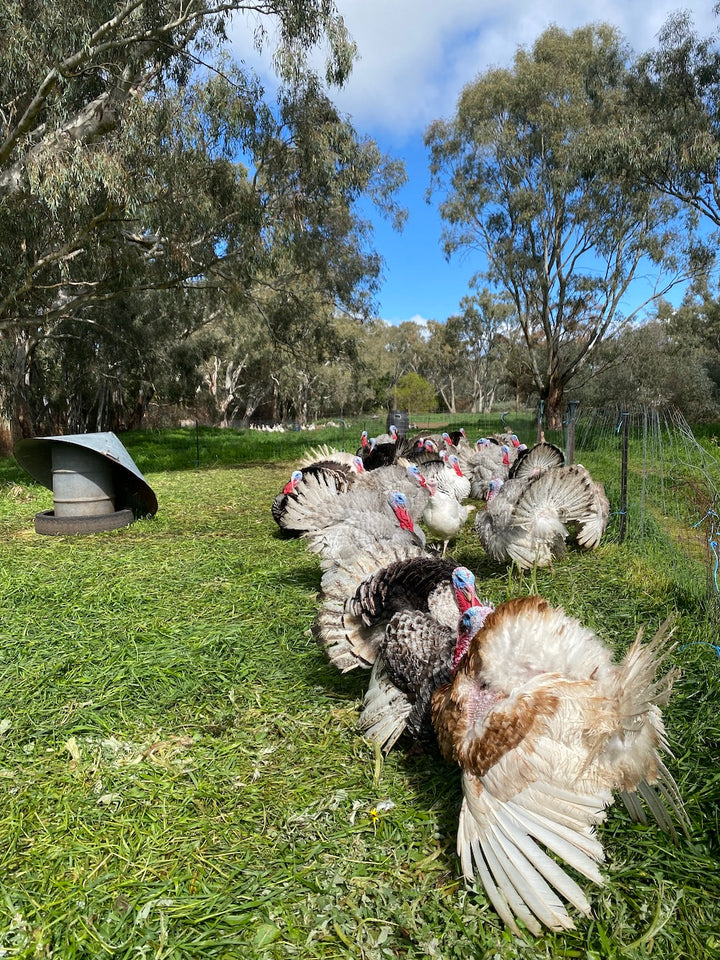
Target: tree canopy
<point>128,166</point>
<point>668,135</point>
<point>561,237</point>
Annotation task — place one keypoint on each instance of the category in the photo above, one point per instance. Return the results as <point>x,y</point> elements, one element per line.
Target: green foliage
<point>180,770</point>
<point>669,132</point>
<point>150,200</point>
<point>563,238</point>
<point>413,392</point>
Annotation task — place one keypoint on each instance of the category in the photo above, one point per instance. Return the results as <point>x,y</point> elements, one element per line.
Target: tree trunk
<point>21,416</point>
<point>145,395</point>
<point>553,396</point>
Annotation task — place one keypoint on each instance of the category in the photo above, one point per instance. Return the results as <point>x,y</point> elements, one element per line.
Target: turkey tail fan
<point>347,642</point>
<point>325,454</point>
<point>561,493</point>
<point>406,582</point>
<point>536,460</point>
<point>640,694</point>
<point>346,639</point>
<point>385,709</point>
<point>342,575</point>
<point>592,525</point>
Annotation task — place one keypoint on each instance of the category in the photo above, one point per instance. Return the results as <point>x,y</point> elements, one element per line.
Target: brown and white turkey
<point>547,729</point>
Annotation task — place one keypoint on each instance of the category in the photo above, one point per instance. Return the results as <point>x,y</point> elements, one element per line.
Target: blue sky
<point>414,58</point>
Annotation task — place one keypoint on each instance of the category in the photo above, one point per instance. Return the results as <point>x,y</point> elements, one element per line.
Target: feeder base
<point>47,522</point>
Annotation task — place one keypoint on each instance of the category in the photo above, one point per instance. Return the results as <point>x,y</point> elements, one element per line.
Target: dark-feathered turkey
<point>358,604</point>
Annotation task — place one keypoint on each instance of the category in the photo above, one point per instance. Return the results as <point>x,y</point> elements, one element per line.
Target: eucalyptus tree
<point>81,85</point>
<point>563,240</point>
<point>653,364</point>
<point>669,133</point>
<point>126,166</point>
<point>479,328</point>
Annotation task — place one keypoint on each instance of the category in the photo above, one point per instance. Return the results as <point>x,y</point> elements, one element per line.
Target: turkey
<point>444,514</point>
<point>324,498</point>
<point>343,473</point>
<point>546,729</point>
<point>487,461</point>
<point>453,477</point>
<point>413,659</point>
<point>535,460</point>
<point>453,438</point>
<point>528,521</point>
<point>358,603</point>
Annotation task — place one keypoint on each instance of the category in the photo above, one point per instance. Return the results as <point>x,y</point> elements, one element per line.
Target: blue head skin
<point>469,625</point>
<point>493,488</point>
<point>398,502</point>
<point>295,478</point>
<point>455,464</point>
<point>463,581</point>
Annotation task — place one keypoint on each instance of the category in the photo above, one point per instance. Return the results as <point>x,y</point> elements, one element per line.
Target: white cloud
<point>415,318</point>
<point>416,55</point>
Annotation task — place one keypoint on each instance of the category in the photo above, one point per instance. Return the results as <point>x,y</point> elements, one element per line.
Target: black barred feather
<point>401,585</point>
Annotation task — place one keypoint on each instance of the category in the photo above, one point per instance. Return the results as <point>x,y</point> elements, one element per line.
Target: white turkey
<point>528,521</point>
<point>547,729</point>
<point>444,515</point>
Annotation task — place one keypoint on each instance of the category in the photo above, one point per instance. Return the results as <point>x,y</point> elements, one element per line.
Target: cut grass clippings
<point>181,776</point>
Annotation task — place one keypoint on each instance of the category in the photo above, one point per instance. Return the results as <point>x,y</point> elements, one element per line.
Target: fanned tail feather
<point>640,693</point>
<point>385,709</point>
<point>347,642</point>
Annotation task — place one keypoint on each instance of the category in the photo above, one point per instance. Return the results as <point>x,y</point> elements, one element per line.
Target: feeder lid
<point>131,488</point>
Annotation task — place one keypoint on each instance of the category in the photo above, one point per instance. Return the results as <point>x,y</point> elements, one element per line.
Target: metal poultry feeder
<point>95,483</point>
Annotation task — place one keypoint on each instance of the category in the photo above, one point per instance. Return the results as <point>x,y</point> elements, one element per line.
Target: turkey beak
<point>468,592</point>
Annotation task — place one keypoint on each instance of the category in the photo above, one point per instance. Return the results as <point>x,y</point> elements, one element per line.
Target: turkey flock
<point>546,727</point>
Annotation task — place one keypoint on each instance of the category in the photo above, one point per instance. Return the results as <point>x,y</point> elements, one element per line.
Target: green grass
<point>180,775</point>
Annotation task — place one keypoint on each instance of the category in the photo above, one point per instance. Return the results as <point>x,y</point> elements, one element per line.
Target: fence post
<point>540,411</point>
<point>570,443</point>
<point>624,422</point>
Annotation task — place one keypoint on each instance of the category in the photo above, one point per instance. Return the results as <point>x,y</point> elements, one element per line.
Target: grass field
<point>180,774</point>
